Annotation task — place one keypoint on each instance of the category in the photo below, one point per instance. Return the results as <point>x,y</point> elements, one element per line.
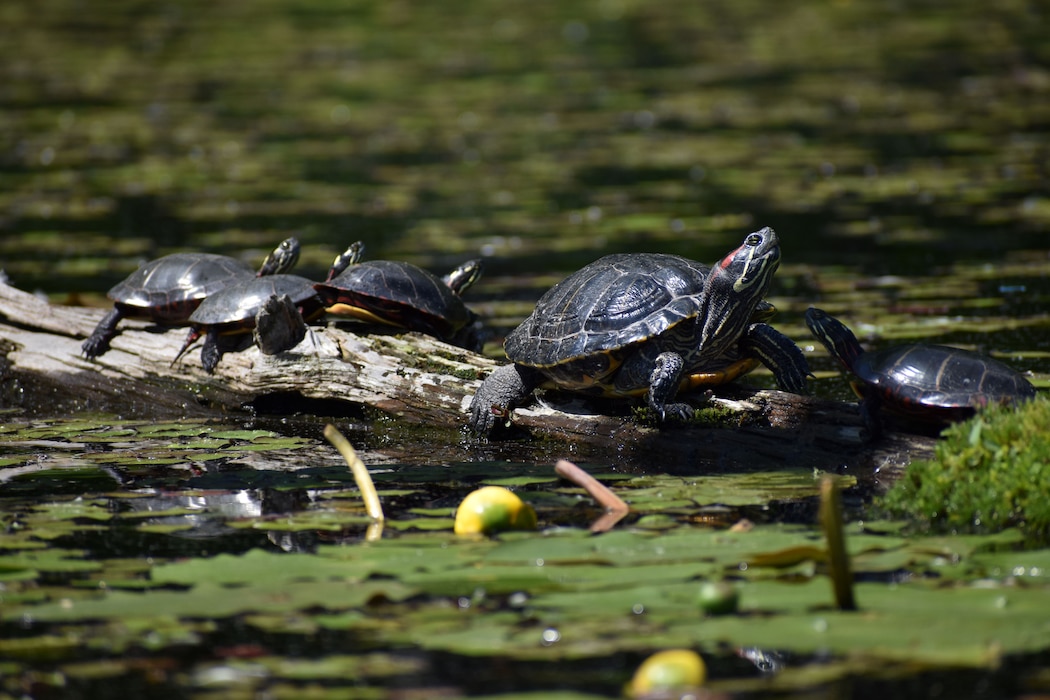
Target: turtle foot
<point>95,346</point>
<point>210,358</point>
<point>98,342</point>
<point>505,388</point>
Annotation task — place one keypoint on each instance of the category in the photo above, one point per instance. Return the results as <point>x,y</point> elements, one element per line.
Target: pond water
<point>899,150</point>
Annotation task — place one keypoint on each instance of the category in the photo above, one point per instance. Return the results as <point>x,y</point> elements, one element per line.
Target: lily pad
<point>208,600</point>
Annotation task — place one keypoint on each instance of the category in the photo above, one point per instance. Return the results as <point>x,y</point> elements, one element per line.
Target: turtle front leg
<point>870,409</point>
<point>664,381</point>
<point>98,342</point>
<point>776,351</point>
<point>501,391</point>
<point>211,351</point>
<point>217,344</point>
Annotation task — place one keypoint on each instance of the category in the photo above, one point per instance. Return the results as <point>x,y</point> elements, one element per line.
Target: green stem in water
<point>359,470</point>
<point>838,557</point>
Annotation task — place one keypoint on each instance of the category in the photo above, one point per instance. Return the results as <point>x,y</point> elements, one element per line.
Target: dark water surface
<point>900,150</point>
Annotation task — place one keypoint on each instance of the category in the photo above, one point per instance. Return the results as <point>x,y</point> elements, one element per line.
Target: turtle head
<point>351,256</point>
<point>835,336</point>
<point>749,269</point>
<point>463,277</point>
<point>282,259</point>
<point>734,289</point>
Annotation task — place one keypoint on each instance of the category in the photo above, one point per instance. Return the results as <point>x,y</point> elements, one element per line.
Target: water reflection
<point>207,511</point>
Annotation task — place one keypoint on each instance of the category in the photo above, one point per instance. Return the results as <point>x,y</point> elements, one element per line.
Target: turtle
<point>650,324</point>
<point>168,290</point>
<point>932,384</point>
<point>402,295</point>
<point>227,318</point>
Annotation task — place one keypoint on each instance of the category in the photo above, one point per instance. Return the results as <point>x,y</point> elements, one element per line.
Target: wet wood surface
<point>410,376</point>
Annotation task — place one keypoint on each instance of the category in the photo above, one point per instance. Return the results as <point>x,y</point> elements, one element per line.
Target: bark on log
<point>411,376</point>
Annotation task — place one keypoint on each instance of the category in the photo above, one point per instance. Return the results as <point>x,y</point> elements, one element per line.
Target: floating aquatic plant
<point>989,472</point>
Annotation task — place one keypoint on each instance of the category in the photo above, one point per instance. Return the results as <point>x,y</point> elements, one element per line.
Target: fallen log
<point>412,377</point>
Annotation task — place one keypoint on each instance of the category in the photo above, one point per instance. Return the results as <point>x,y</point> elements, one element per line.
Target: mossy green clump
<point>711,414</point>
<point>990,472</point>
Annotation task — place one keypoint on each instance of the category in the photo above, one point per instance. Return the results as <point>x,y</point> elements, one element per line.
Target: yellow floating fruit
<point>671,670</point>
<point>493,509</point>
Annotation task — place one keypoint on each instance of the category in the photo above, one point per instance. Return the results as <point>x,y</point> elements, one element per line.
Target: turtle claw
<point>94,346</point>
<point>483,422</point>
<point>505,388</point>
<point>677,413</point>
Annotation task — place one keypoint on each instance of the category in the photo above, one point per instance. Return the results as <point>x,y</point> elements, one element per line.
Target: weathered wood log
<point>413,377</point>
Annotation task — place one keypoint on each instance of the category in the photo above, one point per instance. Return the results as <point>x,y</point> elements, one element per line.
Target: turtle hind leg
<point>98,342</point>
<point>505,388</point>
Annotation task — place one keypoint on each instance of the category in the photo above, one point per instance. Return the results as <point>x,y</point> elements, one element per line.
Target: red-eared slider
<point>167,290</point>
<point>227,318</point>
<point>647,323</point>
<point>404,296</point>
<point>928,383</point>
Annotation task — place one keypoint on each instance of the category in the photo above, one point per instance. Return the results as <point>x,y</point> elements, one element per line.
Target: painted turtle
<point>227,318</point>
<point>647,323</point>
<point>929,383</point>
<point>401,295</point>
<point>167,290</point>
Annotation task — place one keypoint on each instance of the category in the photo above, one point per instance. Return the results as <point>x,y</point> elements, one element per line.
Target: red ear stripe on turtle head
<point>728,259</point>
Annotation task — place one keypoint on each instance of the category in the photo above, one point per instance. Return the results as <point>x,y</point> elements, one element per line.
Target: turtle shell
<point>397,294</point>
<point>168,289</point>
<point>921,378</point>
<point>237,304</point>
<point>616,301</point>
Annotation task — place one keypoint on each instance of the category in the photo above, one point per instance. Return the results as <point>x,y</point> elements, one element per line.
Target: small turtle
<point>167,290</point>
<point>402,295</point>
<point>647,324</point>
<point>227,318</point>
<point>934,384</point>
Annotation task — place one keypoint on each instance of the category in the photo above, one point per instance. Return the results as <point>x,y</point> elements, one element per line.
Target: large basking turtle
<point>929,383</point>
<point>168,290</point>
<point>647,324</point>
<point>401,295</point>
<point>226,318</point>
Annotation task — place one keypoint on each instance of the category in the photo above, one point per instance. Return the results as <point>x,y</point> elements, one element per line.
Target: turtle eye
<point>753,240</point>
